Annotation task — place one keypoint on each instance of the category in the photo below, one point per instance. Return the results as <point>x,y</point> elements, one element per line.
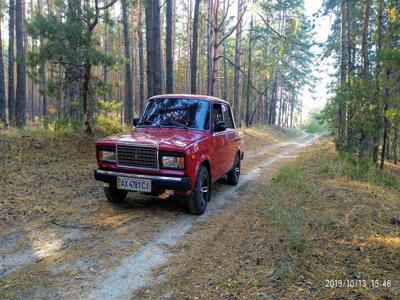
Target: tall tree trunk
<point>153,47</point>
<point>343,72</point>
<point>209,46</point>
<point>149,47</point>
<point>141,58</point>
<point>214,68</point>
<point>128,106</point>
<point>158,66</point>
<point>395,142</point>
<point>249,72</point>
<point>378,111</point>
<point>365,136</point>
<point>133,66</point>
<point>195,44</point>
<point>20,99</point>
<point>85,96</point>
<point>350,58</point>
<point>386,122</point>
<point>105,47</point>
<point>236,76</point>
<point>272,109</point>
<point>42,71</point>
<point>11,92</point>
<point>2,85</point>
<point>168,48</point>
<point>225,91</point>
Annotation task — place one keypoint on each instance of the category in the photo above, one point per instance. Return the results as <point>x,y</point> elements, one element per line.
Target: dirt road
<point>96,250</point>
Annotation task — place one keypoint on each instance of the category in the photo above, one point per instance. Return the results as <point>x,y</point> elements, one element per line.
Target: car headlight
<point>107,155</point>
<point>173,162</point>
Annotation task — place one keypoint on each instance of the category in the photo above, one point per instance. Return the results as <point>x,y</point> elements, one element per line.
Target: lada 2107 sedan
<point>180,146</point>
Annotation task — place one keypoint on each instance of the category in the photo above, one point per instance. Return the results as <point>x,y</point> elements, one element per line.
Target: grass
<point>321,221</point>
<point>334,218</point>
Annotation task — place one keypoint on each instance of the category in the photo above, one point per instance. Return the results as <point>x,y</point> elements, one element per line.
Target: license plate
<point>134,184</point>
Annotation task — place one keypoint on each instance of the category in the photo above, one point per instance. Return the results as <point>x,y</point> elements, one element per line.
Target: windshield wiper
<point>148,122</point>
<point>176,123</point>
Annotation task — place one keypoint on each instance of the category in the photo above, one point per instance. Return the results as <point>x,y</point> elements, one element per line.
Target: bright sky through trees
<point>323,67</point>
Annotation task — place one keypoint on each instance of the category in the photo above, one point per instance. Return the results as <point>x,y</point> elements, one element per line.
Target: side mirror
<point>220,126</point>
<point>135,121</point>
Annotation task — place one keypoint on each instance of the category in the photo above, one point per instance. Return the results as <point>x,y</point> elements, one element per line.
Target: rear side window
<point>226,112</point>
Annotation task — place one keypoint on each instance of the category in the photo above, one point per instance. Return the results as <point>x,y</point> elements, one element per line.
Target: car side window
<point>226,112</point>
<point>217,113</point>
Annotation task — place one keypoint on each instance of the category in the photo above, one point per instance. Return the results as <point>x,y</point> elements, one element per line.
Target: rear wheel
<point>197,202</point>
<point>115,195</point>
<point>234,174</point>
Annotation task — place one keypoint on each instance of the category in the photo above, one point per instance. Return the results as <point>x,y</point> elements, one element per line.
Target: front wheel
<point>198,200</point>
<point>234,174</point>
<point>115,195</point>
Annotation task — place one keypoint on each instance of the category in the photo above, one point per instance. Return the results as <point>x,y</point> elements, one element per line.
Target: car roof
<point>190,96</point>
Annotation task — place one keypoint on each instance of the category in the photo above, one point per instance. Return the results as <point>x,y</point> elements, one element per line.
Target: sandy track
<point>113,257</point>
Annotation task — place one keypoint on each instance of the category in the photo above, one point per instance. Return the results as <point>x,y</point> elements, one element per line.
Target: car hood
<point>167,138</point>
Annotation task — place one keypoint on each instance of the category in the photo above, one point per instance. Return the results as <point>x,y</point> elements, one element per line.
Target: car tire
<point>115,195</point>
<point>200,196</point>
<point>234,174</point>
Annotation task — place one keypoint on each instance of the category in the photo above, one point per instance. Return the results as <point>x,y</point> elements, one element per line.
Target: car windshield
<point>177,112</point>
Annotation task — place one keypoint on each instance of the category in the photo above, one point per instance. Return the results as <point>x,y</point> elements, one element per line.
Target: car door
<point>218,143</point>
<point>230,137</point>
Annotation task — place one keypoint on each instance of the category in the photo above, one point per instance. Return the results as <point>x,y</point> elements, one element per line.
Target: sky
<point>318,98</point>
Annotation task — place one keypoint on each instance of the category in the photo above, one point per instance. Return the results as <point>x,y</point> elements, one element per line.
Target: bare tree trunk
<point>291,113</point>
<point>85,96</point>
<point>168,49</point>
<point>365,136</point>
<point>272,109</point>
<point>141,58</point>
<point>42,71</point>
<point>225,91</point>
<point>133,67</point>
<point>343,71</point>
<point>395,142</point>
<point>386,122</point>
<point>236,76</point>
<point>20,100</point>
<point>153,47</point>
<point>128,106</point>
<point>209,46</point>
<point>195,44</point>
<point>214,69</point>
<point>11,92</point>
<point>2,85</point>
<point>105,47</point>
<point>249,72</point>
<point>378,113</point>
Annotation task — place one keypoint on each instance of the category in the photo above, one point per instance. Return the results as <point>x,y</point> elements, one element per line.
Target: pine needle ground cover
<point>323,226</point>
<point>334,224</point>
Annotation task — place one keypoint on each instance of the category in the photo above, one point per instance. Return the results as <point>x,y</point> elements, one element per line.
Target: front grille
<point>137,157</point>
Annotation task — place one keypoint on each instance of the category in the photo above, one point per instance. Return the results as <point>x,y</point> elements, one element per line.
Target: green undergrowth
<point>330,216</point>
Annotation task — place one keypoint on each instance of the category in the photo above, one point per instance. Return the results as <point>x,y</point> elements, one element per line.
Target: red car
<point>180,146</point>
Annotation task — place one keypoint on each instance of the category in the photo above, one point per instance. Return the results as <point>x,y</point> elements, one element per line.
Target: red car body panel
<point>217,149</point>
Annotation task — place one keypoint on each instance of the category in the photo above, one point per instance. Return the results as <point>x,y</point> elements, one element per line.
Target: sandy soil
<point>84,247</point>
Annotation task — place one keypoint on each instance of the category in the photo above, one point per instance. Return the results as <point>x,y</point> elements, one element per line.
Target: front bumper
<point>157,182</point>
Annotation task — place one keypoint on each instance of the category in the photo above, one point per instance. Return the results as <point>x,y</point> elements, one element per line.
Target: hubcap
<point>237,169</point>
<point>204,191</point>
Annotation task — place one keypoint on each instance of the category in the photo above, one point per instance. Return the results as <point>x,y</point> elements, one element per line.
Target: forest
<point>94,62</point>
<point>365,110</point>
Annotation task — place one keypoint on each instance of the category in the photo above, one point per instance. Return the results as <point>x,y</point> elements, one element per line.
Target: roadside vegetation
<point>325,224</point>
<point>315,124</point>
<point>335,222</point>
